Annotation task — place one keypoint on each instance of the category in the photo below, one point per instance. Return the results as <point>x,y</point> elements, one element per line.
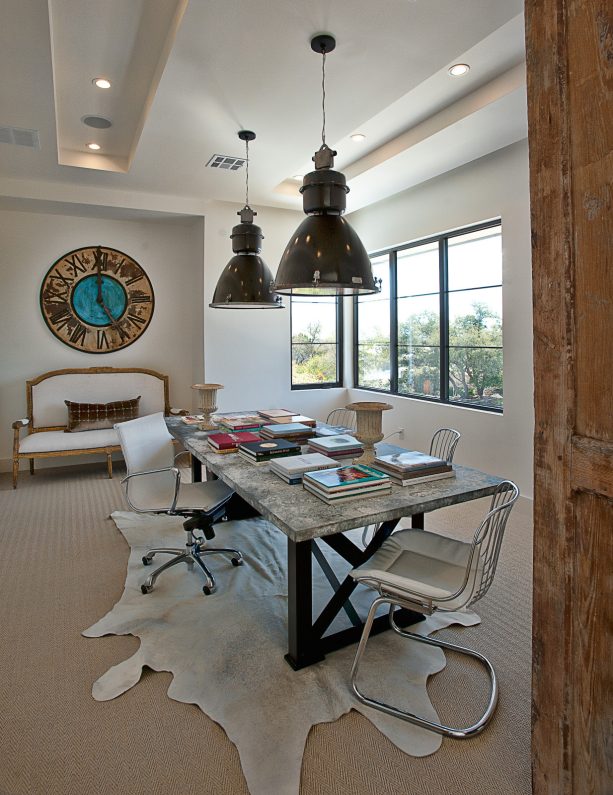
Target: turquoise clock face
<point>89,310</point>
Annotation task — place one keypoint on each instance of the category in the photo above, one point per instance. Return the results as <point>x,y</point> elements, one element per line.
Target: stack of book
<point>192,419</point>
<point>323,429</point>
<point>346,483</point>
<point>292,468</point>
<point>341,446</point>
<point>294,431</point>
<point>412,467</point>
<point>229,442</point>
<point>266,450</point>
<point>294,418</point>
<point>276,414</point>
<point>238,422</point>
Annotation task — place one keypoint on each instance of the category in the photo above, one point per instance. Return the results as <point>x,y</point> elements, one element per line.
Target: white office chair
<point>424,571</point>
<point>153,485</point>
<point>444,443</point>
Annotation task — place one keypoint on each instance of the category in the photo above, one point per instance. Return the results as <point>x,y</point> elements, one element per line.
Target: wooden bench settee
<point>47,418</point>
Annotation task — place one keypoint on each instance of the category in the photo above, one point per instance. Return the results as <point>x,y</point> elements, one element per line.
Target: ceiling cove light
<point>458,69</point>
<point>101,82</point>
<point>93,146</point>
<point>324,255</point>
<point>246,281</point>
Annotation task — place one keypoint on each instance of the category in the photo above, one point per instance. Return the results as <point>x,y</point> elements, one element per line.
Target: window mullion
<point>393,266</point>
<point>444,319</point>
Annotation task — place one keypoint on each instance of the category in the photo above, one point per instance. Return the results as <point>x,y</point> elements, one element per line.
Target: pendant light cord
<point>323,97</point>
<point>247,172</point>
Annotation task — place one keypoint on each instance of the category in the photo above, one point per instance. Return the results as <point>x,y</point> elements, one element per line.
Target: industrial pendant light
<point>246,281</point>
<point>324,255</point>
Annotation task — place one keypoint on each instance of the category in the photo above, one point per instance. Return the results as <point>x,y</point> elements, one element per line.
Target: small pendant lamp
<point>324,255</point>
<point>246,281</point>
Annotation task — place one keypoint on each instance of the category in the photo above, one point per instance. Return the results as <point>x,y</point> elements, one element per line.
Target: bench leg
<point>109,465</point>
<point>15,471</point>
<point>31,466</point>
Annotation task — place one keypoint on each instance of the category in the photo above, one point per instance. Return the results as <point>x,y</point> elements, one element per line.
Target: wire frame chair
<point>343,417</point>
<point>444,442</point>
<point>398,590</point>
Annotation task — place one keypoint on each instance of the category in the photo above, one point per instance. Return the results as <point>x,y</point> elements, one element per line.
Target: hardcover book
<point>412,481</point>
<point>323,429</point>
<point>299,464</point>
<point>294,418</point>
<point>346,478</point>
<point>287,429</point>
<point>192,419</point>
<point>410,460</point>
<point>275,413</point>
<point>268,448</point>
<point>336,443</point>
<point>227,441</point>
<point>353,494</point>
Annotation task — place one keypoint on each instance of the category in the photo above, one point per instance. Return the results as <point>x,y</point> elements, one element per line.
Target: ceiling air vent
<point>19,137</point>
<point>225,162</point>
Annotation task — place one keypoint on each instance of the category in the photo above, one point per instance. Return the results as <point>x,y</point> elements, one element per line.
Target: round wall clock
<point>97,299</point>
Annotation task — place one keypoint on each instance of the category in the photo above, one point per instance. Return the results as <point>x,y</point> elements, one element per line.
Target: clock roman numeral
<point>60,277</point>
<point>136,320</point>
<point>101,339</point>
<point>140,298</point>
<point>134,279</point>
<point>76,263</point>
<point>61,317</point>
<point>119,265</point>
<point>78,334</point>
<point>53,297</point>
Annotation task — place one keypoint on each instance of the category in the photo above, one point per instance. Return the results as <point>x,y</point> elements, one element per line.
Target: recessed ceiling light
<point>101,82</point>
<point>459,69</point>
<point>93,146</point>
<point>358,137</point>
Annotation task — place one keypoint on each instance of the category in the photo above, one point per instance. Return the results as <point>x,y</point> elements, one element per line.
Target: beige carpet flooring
<point>62,566</point>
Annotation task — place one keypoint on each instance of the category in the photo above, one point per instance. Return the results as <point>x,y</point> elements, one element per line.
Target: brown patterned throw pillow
<point>93,416</point>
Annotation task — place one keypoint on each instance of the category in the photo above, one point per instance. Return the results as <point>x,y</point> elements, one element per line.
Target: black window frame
<point>443,247</point>
<point>339,348</point>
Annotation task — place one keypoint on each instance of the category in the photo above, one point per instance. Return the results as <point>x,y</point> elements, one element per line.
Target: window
<point>435,330</point>
<point>316,329</point>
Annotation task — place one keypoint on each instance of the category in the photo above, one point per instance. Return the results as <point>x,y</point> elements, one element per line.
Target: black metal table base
<point>308,642</point>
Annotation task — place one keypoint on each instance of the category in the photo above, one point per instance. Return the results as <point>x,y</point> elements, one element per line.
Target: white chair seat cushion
<point>202,496</point>
<point>58,441</point>
<point>418,562</point>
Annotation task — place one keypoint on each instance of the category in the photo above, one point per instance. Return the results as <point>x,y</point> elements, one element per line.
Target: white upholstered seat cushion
<point>58,441</point>
<point>203,496</point>
<point>419,562</point>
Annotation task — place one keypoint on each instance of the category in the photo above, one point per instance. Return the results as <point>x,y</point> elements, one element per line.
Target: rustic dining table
<point>308,523</point>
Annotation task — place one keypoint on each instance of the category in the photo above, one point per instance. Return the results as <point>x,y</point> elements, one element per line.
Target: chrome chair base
<point>448,731</point>
<point>193,552</point>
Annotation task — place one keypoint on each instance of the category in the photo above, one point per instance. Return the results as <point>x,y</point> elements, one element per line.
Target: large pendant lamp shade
<point>246,281</point>
<point>325,256</point>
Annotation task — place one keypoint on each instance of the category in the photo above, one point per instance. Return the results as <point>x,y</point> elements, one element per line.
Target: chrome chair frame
<point>486,543</point>
<point>444,442</point>
<point>194,545</point>
<point>343,417</point>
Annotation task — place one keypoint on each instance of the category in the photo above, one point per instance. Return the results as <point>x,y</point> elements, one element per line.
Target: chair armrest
<point>182,452</point>
<point>154,472</point>
<point>19,424</point>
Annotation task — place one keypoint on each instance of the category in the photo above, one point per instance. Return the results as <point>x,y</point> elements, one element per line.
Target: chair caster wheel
<point>207,591</point>
<point>146,588</point>
<point>146,561</point>
<point>237,561</point>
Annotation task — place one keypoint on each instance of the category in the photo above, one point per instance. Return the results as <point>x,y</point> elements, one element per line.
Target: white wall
<point>170,251</point>
<point>248,351</point>
<point>496,185</point>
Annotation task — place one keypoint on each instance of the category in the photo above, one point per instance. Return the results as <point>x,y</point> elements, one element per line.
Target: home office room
<point>305,478</point>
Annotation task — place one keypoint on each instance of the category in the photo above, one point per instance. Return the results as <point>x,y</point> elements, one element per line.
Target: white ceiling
<point>188,74</point>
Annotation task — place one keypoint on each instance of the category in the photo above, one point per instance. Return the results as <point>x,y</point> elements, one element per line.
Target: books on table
<point>294,418</point>
<point>267,449</point>
<point>346,482</point>
<point>323,429</point>
<point>292,468</point>
<point>192,419</point>
<point>296,431</point>
<point>410,467</point>
<point>229,442</point>
<point>238,422</point>
<point>340,446</point>
<point>271,414</point>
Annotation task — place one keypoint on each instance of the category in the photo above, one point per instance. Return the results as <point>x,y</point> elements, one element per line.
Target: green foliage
<point>312,361</point>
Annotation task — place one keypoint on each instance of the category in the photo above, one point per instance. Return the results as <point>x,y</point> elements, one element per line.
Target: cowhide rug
<point>225,651</point>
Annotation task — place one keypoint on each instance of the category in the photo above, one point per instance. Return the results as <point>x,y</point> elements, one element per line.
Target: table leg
<point>301,649</point>
<point>196,469</point>
<point>417,521</point>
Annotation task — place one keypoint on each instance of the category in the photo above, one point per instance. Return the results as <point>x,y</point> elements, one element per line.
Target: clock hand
<point>99,299</point>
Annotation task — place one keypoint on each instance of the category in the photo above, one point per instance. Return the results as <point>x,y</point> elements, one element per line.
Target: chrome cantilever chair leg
<point>448,731</point>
